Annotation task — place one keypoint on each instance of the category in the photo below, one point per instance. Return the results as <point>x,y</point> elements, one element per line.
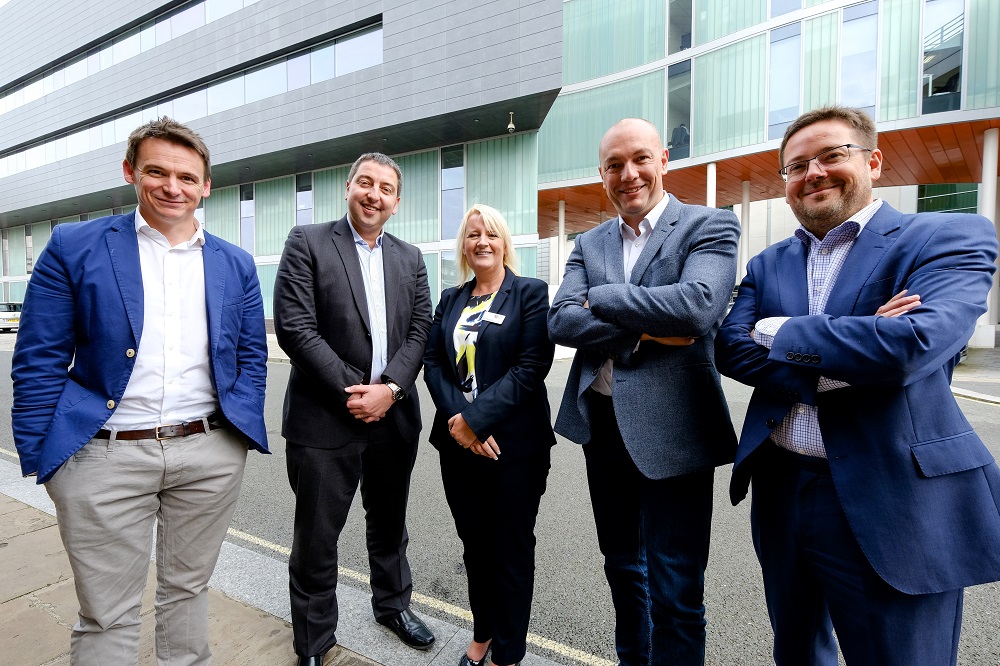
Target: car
<point>10,316</point>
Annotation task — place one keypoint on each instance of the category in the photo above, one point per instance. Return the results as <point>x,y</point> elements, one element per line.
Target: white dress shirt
<point>172,379</point>
<point>374,277</point>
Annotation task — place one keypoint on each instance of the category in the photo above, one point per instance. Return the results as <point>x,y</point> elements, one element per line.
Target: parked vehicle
<point>10,316</point>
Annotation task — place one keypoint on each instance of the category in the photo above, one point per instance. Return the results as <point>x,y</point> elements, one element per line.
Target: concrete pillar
<point>985,335</point>
<point>744,256</point>
<point>561,242</point>
<point>710,185</point>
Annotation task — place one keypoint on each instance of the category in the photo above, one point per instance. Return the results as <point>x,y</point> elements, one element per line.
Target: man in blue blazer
<point>139,378</point>
<point>641,300</point>
<point>874,502</point>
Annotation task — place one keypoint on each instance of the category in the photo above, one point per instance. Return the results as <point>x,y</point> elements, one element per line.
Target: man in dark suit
<point>352,311</point>
<point>641,300</point>
<point>138,385</point>
<point>874,502</point>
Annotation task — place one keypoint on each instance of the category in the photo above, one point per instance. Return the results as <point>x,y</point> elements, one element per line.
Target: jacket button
<point>807,358</point>
<point>111,404</point>
<point>130,353</point>
<point>790,356</point>
<point>815,358</point>
<point>770,423</point>
<point>797,357</point>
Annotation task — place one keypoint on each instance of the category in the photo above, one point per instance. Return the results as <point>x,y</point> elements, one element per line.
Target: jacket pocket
<point>948,455</point>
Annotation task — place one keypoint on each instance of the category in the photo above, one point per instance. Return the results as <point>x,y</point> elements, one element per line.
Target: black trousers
<point>324,482</point>
<point>495,504</point>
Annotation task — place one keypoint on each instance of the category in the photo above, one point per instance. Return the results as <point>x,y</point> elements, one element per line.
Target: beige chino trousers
<point>107,496</point>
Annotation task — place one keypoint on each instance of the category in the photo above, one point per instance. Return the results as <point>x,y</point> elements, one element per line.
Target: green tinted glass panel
<point>813,3</point>
<point>416,221</point>
<point>569,137</point>
<point>99,213</point>
<point>222,214</point>
<point>501,173</point>
<point>901,59</point>
<point>16,291</point>
<point>329,188</point>
<point>717,18</point>
<point>40,234</point>
<point>983,78</point>
<point>527,261</point>
<point>820,72</point>
<point>728,97</point>
<point>601,37</point>
<point>266,275</point>
<point>17,254</point>
<point>274,213</point>
<point>948,197</point>
<point>433,277</point>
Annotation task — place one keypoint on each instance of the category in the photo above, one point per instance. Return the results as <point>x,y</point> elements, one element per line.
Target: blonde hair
<point>495,224</point>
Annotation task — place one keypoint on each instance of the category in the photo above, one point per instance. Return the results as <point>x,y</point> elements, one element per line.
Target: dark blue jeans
<point>654,535</point>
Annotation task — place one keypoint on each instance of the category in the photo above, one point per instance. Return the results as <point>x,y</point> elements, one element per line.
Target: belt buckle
<point>156,433</point>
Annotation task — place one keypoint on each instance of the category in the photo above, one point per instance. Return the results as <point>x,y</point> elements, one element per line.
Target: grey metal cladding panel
<point>256,32</point>
<point>34,34</point>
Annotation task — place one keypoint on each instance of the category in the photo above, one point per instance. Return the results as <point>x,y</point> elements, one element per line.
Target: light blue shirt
<point>374,277</point>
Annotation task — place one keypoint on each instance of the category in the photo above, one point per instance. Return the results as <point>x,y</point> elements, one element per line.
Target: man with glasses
<point>874,502</point>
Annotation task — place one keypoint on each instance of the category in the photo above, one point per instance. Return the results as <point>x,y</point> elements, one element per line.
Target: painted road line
<point>974,396</point>
<point>12,454</point>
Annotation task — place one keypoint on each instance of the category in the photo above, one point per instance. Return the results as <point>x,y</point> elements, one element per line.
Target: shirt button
<point>824,251</point>
<point>111,404</point>
<point>801,410</point>
<point>130,353</point>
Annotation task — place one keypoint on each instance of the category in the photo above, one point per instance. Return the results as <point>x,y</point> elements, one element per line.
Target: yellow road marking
<point>12,454</point>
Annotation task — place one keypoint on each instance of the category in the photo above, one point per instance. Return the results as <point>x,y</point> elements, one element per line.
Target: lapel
<point>793,283</point>
<point>614,266</point>
<point>664,227</point>
<point>343,241</point>
<point>451,319</point>
<point>123,248</point>
<point>215,288</point>
<point>391,278</point>
<point>497,303</point>
<point>869,249</point>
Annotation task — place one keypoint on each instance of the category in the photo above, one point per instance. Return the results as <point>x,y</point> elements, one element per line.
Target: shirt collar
<point>361,241</point>
<point>142,226</point>
<point>648,222</point>
<point>859,220</point>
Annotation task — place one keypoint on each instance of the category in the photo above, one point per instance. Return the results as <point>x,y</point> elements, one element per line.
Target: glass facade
<point>948,197</point>
<point>820,61</point>
<point>416,220</point>
<point>982,86</point>
<point>452,190</point>
<point>500,173</point>
<point>858,50</point>
<point>629,33</point>
<point>679,110</point>
<point>900,46</point>
<point>718,18</point>
<point>728,91</point>
<point>222,213</point>
<point>944,29</point>
<point>784,76</point>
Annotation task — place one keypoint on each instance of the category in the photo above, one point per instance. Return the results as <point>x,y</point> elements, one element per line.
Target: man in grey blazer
<point>641,301</point>
<point>352,310</point>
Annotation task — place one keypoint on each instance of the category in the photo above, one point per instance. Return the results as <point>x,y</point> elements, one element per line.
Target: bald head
<point>639,127</point>
<point>633,163</point>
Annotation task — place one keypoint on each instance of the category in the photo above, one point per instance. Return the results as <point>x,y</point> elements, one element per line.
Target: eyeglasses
<point>828,158</point>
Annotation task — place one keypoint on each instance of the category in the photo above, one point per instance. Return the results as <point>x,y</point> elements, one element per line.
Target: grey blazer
<point>668,401</point>
<point>321,321</point>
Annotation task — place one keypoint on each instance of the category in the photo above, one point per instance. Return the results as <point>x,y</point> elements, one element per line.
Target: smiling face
<point>633,163</point>
<point>828,196</point>
<point>169,181</point>
<point>372,198</point>
<point>483,249</point>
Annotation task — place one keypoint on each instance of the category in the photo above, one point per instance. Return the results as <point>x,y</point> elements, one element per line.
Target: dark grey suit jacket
<point>669,403</point>
<point>321,321</point>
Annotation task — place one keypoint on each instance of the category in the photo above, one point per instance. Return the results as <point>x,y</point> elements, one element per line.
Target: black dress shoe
<point>410,629</point>
<point>315,660</point>
<point>466,660</point>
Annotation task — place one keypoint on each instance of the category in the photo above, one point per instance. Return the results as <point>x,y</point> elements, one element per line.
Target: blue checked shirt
<point>799,430</point>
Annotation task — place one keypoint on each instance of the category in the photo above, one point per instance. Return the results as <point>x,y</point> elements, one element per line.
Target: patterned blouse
<point>465,336</point>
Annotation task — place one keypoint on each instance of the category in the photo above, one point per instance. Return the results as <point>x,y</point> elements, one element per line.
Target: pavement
<point>38,603</point>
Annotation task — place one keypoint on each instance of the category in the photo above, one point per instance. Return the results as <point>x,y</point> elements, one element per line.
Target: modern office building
<point>288,92</point>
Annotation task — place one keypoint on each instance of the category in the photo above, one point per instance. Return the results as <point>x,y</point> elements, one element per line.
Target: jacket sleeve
<point>295,323</point>
<point>404,366</point>
<point>251,348</point>
<point>499,401</point>
<point>46,341</point>
<point>438,374</point>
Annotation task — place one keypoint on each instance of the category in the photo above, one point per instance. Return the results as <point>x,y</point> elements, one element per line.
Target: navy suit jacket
<point>920,490</point>
<point>84,308</point>
<point>669,403</point>
<point>512,360</point>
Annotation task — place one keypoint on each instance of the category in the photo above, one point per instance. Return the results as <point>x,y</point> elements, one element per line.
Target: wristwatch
<point>397,391</point>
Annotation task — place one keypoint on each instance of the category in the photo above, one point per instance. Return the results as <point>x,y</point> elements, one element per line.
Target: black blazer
<point>512,360</point>
<point>321,321</point>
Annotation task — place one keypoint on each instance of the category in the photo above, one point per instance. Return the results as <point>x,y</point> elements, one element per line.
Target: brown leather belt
<point>164,431</point>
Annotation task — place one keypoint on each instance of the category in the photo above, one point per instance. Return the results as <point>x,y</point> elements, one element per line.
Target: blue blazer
<point>512,360</point>
<point>669,403</point>
<point>84,309</point>
<point>920,490</point>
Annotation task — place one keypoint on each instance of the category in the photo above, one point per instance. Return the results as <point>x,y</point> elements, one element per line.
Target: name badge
<point>493,317</point>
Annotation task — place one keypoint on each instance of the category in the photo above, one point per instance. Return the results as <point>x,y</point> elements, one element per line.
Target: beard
<point>822,216</point>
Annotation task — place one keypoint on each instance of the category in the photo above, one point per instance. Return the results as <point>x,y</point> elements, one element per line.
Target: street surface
<point>572,620</point>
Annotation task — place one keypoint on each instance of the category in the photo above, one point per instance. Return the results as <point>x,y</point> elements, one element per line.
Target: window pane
<point>125,125</point>
<point>15,99</point>
<point>226,95</point>
<point>944,23</point>
<point>359,52</point>
<point>783,100</point>
<point>78,143</point>
<point>298,71</point>
<point>858,50</point>
<point>187,20</point>
<point>266,82</point>
<point>165,109</point>
<point>679,28</point>
<point>322,64</point>
<point>34,157</point>
<point>76,70</point>
<point>107,56</point>
<point>147,36</point>
<point>107,136</point>
<point>93,63</point>
<point>191,107</point>
<point>452,210</point>
<point>679,110</point>
<point>779,7</point>
<point>126,46</point>
<point>216,9</point>
<point>162,31</point>
<point>33,91</point>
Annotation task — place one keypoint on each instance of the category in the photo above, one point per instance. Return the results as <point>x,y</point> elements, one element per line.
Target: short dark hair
<point>858,120</point>
<point>382,159</point>
<point>170,130</point>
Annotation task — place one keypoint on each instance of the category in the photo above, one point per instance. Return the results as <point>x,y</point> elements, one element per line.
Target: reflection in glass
<point>266,82</point>
<point>215,9</point>
<point>226,95</point>
<point>679,110</point>
<point>452,191</point>
<point>298,71</point>
<point>785,74</point>
<point>191,107</point>
<point>944,23</point>
<point>679,26</point>
<point>126,46</point>
<point>779,7</point>
<point>187,20</point>
<point>358,52</point>
<point>858,53</point>
<point>321,63</point>
<point>449,268</point>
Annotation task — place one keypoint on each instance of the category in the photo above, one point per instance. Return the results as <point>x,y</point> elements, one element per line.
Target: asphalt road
<point>572,605</point>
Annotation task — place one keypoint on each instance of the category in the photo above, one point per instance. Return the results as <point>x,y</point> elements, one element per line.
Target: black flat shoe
<point>315,660</point>
<point>466,660</point>
<point>410,629</point>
